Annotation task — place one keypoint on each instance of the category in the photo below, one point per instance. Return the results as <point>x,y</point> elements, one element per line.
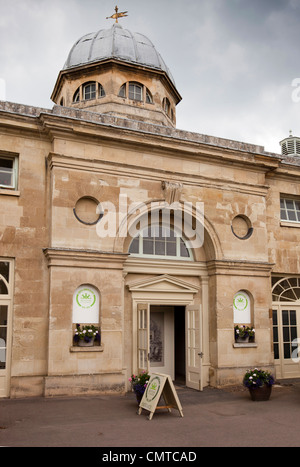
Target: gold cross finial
<point>117,15</point>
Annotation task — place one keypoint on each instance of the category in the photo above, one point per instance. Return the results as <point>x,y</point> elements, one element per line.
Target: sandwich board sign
<point>159,385</point>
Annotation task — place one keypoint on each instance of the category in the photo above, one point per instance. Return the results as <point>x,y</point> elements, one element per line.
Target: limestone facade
<point>70,161</point>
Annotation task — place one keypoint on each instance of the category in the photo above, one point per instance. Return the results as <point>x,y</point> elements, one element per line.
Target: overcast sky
<point>235,62</point>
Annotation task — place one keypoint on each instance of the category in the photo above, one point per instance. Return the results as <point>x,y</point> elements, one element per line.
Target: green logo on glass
<point>240,302</point>
<point>152,389</point>
<point>86,298</point>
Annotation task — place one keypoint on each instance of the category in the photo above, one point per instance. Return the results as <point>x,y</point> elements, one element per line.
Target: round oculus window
<point>87,211</point>
<point>241,227</point>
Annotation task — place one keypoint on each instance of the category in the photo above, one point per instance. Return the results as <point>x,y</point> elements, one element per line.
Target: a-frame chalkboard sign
<point>159,385</point>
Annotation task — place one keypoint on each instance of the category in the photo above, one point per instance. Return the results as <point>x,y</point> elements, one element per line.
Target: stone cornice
<point>240,267</point>
<point>64,257</point>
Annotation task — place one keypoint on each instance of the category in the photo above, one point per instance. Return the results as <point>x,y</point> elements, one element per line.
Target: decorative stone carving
<point>172,191</point>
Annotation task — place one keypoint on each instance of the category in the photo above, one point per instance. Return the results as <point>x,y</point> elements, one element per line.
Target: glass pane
<point>292,215</point>
<point>134,247</point>
<point>286,351</point>
<point>282,205</point>
<point>101,91</point>
<point>288,295</point>
<point>297,205</point>
<point>142,339</point>
<point>157,339</point>
<point>90,91</point>
<point>76,96</point>
<point>135,92</point>
<point>275,322</point>
<point>122,92</point>
<point>184,252</point>
<point>275,334</point>
<point>283,215</point>
<point>285,317</point>
<point>289,204</point>
<point>4,270</point>
<point>153,231</point>
<point>293,333</point>
<point>293,320</point>
<point>148,97</point>
<point>160,248</point>
<point>286,334</point>
<point>276,351</point>
<point>3,288</point>
<point>171,249</point>
<point>3,332</point>
<point>162,234</point>
<point>275,280</point>
<point>148,246</point>
<point>6,163</point>
<point>3,315</point>
<point>6,177</point>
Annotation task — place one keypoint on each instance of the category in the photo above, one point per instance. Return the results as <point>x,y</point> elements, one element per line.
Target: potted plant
<point>244,333</point>
<point>259,383</point>
<point>139,384</point>
<point>85,336</point>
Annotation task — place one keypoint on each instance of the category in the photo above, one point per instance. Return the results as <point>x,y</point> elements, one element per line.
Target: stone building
<point>164,240</point>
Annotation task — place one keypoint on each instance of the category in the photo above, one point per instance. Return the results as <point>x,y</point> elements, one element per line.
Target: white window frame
<point>167,257</point>
<point>95,93</point>
<point>14,172</point>
<point>287,209</point>
<point>135,91</point>
<point>138,92</point>
<point>91,93</point>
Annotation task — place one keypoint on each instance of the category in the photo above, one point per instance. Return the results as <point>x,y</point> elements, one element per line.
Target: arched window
<point>76,97</point>
<point>286,289</point>
<point>161,242</point>
<point>166,105</point>
<point>122,92</point>
<point>149,99</point>
<point>89,91</point>
<point>136,91</point>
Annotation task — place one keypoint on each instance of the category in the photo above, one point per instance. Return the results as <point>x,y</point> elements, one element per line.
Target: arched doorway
<point>286,326</point>
<point>167,291</point>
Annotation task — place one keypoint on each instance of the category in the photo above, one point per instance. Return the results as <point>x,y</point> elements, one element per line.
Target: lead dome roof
<point>117,43</point>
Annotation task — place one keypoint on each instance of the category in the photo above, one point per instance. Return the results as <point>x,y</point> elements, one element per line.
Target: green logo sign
<point>240,302</point>
<point>86,298</point>
<point>152,388</point>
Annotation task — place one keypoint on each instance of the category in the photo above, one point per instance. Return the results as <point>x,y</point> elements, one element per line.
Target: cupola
<point>118,72</point>
<point>290,146</point>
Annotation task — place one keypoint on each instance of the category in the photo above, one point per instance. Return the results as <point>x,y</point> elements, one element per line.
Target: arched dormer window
<point>76,97</point>
<point>89,91</point>
<point>160,241</point>
<point>166,105</point>
<point>136,91</point>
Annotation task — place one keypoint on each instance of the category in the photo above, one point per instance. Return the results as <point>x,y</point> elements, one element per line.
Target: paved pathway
<point>215,417</point>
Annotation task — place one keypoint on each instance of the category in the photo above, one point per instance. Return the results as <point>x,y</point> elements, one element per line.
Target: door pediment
<point>164,283</point>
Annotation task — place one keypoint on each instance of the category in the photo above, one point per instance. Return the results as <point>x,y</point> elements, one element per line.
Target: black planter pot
<point>262,393</point>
